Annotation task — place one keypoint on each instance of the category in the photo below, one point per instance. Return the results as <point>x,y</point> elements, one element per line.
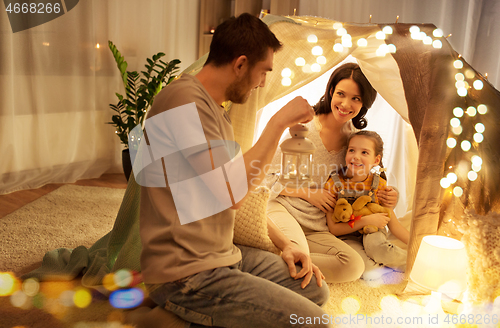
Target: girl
<point>364,153</point>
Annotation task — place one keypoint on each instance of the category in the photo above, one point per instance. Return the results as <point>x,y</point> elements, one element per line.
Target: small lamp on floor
<point>440,266</point>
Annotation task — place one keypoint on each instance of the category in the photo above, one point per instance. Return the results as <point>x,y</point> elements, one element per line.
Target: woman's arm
<point>319,197</point>
<point>397,229</point>
<point>379,220</point>
<point>388,197</point>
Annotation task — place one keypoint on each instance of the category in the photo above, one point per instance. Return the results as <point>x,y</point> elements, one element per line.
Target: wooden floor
<point>11,202</point>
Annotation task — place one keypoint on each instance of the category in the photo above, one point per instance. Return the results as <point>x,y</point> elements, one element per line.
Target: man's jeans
<point>255,292</point>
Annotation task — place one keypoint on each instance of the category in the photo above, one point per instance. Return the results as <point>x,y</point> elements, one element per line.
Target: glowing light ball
<point>438,33</point>
<point>306,68</point>
<point>452,177</point>
<point>416,36</point>
<point>482,109</point>
<point>312,38</point>
<point>391,48</point>
<point>445,183</point>
<point>19,299</point>
<point>470,74</point>
<point>476,160</point>
<point>67,298</point>
<point>476,168</point>
<point>465,145</point>
<point>427,40</point>
<point>460,84</point>
<point>341,31</point>
<point>338,47</point>
<point>437,44</point>
<point>300,61</point>
<point>458,192</point>
<point>31,287</point>
<point>380,35</point>
<point>337,25</point>
<point>350,305</point>
<point>362,42</point>
<point>472,176</point>
<point>286,82</point>
<point>478,84</point>
<point>451,143</point>
<point>123,277</point>
<point>458,112</point>
<point>82,298</point>
<point>471,111</point>
<point>457,130</point>
<point>414,29</point>
<point>455,122</point>
<point>387,30</point>
<point>462,92</point>
<point>479,127</point>
<point>317,51</point>
<point>315,68</point>
<point>321,60</point>
<point>458,64</point>
<point>478,137</point>
<point>126,298</point>
<point>459,77</point>
<point>7,284</point>
<point>286,72</point>
<point>109,282</point>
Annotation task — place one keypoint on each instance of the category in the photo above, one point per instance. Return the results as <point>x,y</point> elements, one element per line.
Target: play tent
<point>417,76</point>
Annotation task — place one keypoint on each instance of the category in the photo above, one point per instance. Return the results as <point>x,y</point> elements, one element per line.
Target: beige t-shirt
<point>171,250</point>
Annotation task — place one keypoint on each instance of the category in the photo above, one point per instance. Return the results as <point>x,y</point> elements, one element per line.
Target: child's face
<point>360,156</point>
<point>346,100</point>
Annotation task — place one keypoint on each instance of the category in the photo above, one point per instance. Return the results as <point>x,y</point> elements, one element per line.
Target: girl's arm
<point>343,228</point>
<point>397,229</point>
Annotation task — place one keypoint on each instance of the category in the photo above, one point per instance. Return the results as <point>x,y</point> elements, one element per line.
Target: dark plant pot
<point>126,163</point>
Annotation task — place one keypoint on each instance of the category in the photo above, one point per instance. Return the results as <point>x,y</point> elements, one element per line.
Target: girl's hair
<point>378,143</point>
<point>368,93</point>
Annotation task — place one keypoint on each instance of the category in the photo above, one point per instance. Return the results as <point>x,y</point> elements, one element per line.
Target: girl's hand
<point>380,220</point>
<point>321,198</point>
<point>388,197</point>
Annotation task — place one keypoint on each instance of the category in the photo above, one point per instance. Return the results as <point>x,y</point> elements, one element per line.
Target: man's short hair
<point>245,35</point>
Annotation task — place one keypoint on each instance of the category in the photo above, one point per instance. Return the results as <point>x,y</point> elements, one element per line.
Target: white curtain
<point>57,80</point>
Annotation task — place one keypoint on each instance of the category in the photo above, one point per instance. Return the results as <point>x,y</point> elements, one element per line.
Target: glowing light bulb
<point>438,33</point>
<point>479,127</point>
<point>337,25</point>
<point>478,84</point>
<point>391,48</point>
<point>380,35</point>
<point>300,61</point>
<point>423,35</point>
<point>437,44</point>
<point>462,92</point>
<point>476,160</point>
<point>414,29</point>
<point>315,67</point>
<point>455,122</point>
<point>286,72</point>
<point>452,177</point>
<point>82,298</point>
<point>312,38</point>
<point>7,284</point>
<point>306,68</point>
<point>471,111</point>
<point>321,60</point>
<point>459,77</point>
<point>387,30</point>
<point>416,36</point>
<point>470,74</point>
<point>465,145</point>
<point>338,47</point>
<point>451,142</point>
<point>445,183</point>
<point>472,176</point>
<point>456,130</point>
<point>427,40</point>
<point>458,112</point>
<point>286,82</point>
<point>458,64</point>
<point>123,277</point>
<point>476,168</point>
<point>382,50</point>
<point>362,42</point>
<point>341,31</point>
<point>458,192</point>
<point>317,51</point>
<point>459,84</point>
<point>478,137</point>
<point>346,41</point>
<point>482,109</point>
<point>31,287</point>
<point>350,305</point>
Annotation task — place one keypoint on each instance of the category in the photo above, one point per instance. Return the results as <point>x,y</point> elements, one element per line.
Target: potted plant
<point>140,91</point>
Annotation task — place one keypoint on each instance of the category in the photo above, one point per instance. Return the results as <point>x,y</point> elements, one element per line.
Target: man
<point>189,262</point>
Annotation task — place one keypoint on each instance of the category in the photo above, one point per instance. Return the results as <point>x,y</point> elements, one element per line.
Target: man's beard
<point>238,91</point>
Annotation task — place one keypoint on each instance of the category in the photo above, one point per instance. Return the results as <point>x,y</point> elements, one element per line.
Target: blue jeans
<point>255,292</point>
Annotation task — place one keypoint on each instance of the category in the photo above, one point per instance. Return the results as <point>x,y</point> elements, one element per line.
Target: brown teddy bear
<point>344,212</point>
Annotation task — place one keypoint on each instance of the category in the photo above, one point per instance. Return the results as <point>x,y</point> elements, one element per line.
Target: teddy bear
<point>345,212</point>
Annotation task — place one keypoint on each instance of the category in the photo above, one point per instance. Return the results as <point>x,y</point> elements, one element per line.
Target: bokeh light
<point>315,68</point>
<point>458,192</point>
<point>455,122</point>
<point>7,283</point>
<point>380,35</point>
<point>126,298</point>
<point>451,142</point>
<point>438,33</point>
<point>341,31</point>
<point>472,176</point>
<point>82,298</point>
<point>437,44</point>
<point>462,92</point>
<point>362,42</point>
<point>458,64</point>
<point>123,277</point>
<point>317,51</point>
<point>445,183</point>
<point>286,72</point>
<point>286,82</point>
<point>414,29</point>
<point>312,38</point>
<point>321,60</point>
<point>471,111</point>
<point>465,145</point>
<point>31,286</point>
<point>457,130</point>
<point>478,137</point>
<point>478,84</point>
<point>387,30</point>
<point>338,47</point>
<point>482,109</point>
<point>452,177</point>
<point>459,77</point>
<point>392,48</point>
<point>350,305</point>
<point>458,112</point>
<point>300,61</point>
<point>479,127</point>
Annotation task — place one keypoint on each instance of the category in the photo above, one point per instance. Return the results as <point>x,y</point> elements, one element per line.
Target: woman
<point>300,212</point>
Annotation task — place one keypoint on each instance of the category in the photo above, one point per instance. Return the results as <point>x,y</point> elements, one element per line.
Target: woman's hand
<point>380,220</point>
<point>321,198</point>
<point>388,197</point>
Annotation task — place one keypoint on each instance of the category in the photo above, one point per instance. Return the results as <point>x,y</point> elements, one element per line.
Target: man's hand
<point>291,254</point>
<point>296,111</point>
<point>388,197</point>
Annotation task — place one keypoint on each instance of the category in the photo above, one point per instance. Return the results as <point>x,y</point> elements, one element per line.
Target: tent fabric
<point>418,81</point>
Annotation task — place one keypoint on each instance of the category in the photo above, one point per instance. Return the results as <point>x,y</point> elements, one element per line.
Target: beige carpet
<point>74,215</point>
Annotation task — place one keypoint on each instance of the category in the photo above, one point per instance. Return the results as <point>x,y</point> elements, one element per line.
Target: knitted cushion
<point>250,226</point>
